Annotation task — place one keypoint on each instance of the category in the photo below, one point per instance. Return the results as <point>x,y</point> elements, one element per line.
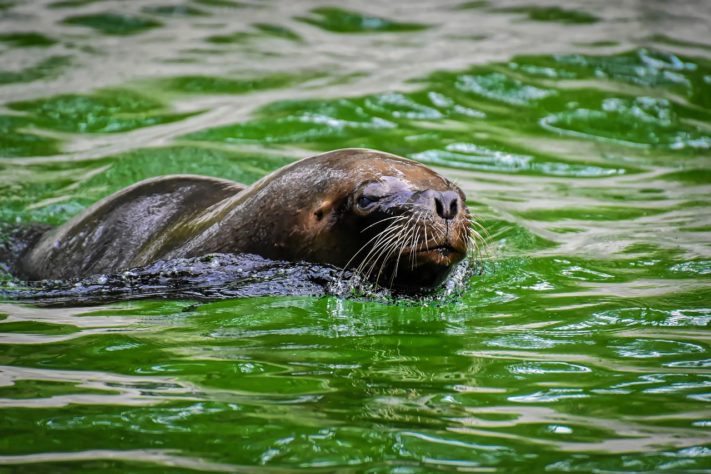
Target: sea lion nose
<point>446,204</point>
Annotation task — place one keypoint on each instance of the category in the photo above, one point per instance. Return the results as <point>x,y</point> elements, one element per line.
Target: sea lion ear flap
<point>323,209</point>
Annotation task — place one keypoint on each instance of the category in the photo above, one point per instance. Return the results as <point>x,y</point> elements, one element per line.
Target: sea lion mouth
<point>425,267</point>
<point>442,254</point>
<point>444,249</point>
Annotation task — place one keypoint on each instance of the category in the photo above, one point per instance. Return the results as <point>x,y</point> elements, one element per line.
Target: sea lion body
<point>330,208</point>
<point>124,230</point>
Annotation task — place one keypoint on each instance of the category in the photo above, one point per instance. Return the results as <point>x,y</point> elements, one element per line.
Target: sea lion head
<point>393,220</point>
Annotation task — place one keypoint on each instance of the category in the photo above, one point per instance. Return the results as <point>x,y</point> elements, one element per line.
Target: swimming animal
<point>393,220</point>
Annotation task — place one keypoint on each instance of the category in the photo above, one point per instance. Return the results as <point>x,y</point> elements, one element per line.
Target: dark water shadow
<point>215,277</point>
<point>211,277</point>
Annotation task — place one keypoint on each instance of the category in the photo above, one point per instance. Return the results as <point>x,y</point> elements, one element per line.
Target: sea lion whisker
<point>379,247</point>
<point>388,250</point>
<point>381,221</point>
<point>370,263</point>
<point>481,248</point>
<point>396,267</point>
<point>438,229</point>
<point>404,239</point>
<point>476,233</point>
<point>474,245</point>
<point>477,237</point>
<point>473,232</point>
<point>379,235</point>
<point>402,244</point>
<point>427,239</point>
<point>388,245</point>
<point>415,239</point>
<point>467,237</point>
<point>382,237</point>
<point>368,266</point>
<point>474,223</point>
<point>383,253</point>
<point>385,258</point>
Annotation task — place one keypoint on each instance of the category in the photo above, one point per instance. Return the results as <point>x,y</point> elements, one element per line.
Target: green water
<point>581,135</point>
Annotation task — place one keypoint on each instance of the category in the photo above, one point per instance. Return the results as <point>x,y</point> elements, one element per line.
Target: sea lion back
<point>121,231</point>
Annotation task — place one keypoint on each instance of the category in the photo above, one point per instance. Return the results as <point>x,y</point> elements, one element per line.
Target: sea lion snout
<point>444,204</point>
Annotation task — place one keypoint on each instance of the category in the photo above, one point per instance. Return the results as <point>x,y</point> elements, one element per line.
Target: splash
<point>217,277</point>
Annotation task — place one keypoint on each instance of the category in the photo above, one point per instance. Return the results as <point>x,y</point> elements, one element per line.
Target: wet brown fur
<point>300,212</point>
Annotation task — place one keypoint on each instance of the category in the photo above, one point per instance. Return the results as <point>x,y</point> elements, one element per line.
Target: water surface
<point>581,134</point>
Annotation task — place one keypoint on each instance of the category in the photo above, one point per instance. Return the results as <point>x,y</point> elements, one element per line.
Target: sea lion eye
<point>365,201</point>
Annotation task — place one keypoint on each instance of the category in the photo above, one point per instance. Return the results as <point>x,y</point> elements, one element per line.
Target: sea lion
<point>393,220</point>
